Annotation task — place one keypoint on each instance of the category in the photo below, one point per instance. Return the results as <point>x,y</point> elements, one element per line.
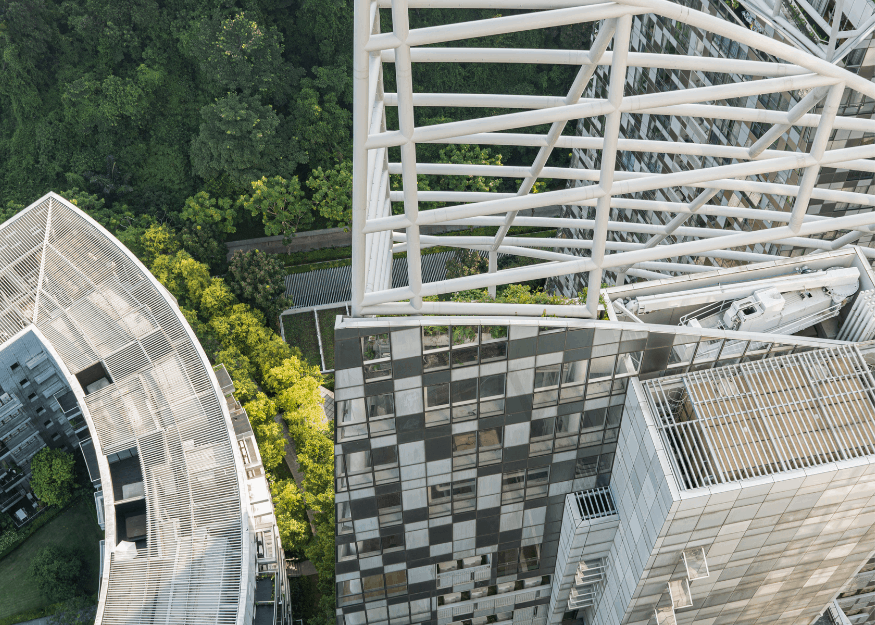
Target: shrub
<point>56,572</point>
<point>53,476</point>
<point>8,538</point>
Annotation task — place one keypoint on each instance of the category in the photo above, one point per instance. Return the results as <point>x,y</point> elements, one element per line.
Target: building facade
<point>32,415</point>
<point>534,471</point>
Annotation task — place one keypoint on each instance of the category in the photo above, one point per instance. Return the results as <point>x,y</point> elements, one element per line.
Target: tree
<point>56,573</point>
<point>268,433</point>
<point>238,138</point>
<point>202,210</point>
<point>281,204</point>
<point>332,193</point>
<point>259,279</point>
<point>295,386</point>
<point>158,240</point>
<point>291,515</point>
<point>466,263</point>
<point>240,54</point>
<point>52,476</point>
<point>206,244</point>
<point>321,127</point>
<point>183,276</point>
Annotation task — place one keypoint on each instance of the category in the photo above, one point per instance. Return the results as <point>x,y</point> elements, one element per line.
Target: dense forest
<point>216,118</point>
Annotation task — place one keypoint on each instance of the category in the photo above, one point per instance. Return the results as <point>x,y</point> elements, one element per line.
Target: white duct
<point>860,323</point>
<point>833,278</point>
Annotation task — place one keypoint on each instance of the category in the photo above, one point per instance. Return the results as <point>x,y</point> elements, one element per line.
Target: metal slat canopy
<point>91,301</point>
<point>766,416</point>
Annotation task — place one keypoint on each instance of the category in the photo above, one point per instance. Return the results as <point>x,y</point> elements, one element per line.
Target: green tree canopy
<point>56,573</point>
<point>291,515</point>
<point>268,433</point>
<point>157,240</point>
<point>332,193</point>
<point>241,53</point>
<point>239,138</point>
<point>259,279</point>
<point>52,476</point>
<point>203,210</point>
<point>281,203</point>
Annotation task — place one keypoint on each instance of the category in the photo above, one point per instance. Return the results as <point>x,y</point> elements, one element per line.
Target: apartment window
<point>586,467</point>
<point>492,389</point>
<point>375,546</point>
<point>530,558</point>
<point>349,592</point>
<point>541,436</point>
<point>458,400</point>
<point>464,399</point>
<point>23,382</point>
<point>346,552</point>
<point>460,565</point>
<point>14,366</point>
<point>513,486</point>
<point>352,420</point>
<point>507,562</point>
<point>489,446</point>
<point>356,417</point>
<point>461,346</point>
<point>563,383</point>
<point>389,509</point>
<point>524,484</point>
<point>452,497</point>
<point>378,587</point>
<point>522,560</point>
<point>31,397</point>
<point>493,343</point>
<point>381,413</point>
<point>437,404</point>
<point>365,468</point>
<point>344,518</point>
<point>374,587</point>
<point>377,357</point>
<point>369,547</point>
<point>555,434</point>
<point>464,450</point>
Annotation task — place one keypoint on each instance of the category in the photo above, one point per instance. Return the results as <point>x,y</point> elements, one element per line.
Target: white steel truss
<point>816,85</point>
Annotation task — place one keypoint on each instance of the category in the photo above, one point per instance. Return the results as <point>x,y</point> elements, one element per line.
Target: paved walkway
<point>37,621</point>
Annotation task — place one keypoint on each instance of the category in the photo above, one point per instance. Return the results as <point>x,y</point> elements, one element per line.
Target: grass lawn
<point>326,327</point>
<point>76,528</point>
<point>300,330</point>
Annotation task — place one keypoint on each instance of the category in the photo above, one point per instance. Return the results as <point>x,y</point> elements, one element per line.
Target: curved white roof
<point>91,300</point>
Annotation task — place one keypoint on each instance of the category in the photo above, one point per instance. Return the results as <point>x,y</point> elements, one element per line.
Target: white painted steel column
<point>493,267</point>
<point>801,108</point>
<point>679,220</point>
<point>360,154</point>
<point>404,79</point>
<point>818,147</point>
<point>616,90</point>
